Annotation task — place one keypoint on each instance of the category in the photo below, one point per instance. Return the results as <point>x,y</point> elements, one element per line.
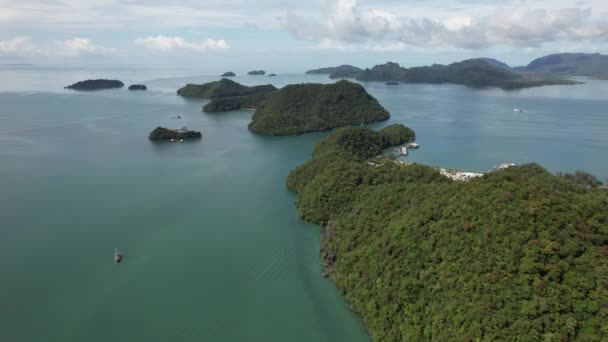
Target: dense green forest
<point>307,107</point>
<point>226,104</point>
<point>301,108</point>
<point>161,133</point>
<point>516,255</point>
<point>98,84</point>
<point>222,88</point>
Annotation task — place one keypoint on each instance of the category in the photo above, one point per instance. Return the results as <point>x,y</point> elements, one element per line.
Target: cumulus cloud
<point>346,22</point>
<point>77,47</point>
<point>16,47</point>
<point>166,43</point>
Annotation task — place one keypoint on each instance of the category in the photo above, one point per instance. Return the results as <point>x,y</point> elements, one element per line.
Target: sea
<point>213,246</point>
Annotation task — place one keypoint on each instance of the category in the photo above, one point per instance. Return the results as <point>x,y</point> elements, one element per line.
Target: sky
<point>293,36</point>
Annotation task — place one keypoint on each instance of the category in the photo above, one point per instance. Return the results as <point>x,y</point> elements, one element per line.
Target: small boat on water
<point>412,145</point>
<point>117,256</point>
<point>518,110</point>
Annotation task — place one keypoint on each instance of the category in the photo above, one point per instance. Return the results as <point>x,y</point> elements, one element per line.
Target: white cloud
<point>17,47</point>
<point>166,43</point>
<point>78,47</point>
<point>346,22</point>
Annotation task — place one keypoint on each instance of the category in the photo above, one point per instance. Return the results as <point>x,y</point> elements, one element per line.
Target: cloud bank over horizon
<point>110,30</point>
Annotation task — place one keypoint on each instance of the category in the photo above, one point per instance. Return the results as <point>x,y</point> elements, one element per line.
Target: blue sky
<point>292,36</point>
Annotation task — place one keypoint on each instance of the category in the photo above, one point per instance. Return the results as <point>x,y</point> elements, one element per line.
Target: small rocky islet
<point>257,72</point>
<point>138,87</point>
<point>228,74</point>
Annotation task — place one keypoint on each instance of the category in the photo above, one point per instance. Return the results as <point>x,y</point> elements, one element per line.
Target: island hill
<point>302,108</point>
<point>98,84</point>
<point>257,72</point>
<point>161,133</point>
<point>138,87</point>
<point>514,255</point>
<point>477,73</point>
<point>579,64</point>
<point>342,71</point>
<point>223,88</point>
<point>228,74</point>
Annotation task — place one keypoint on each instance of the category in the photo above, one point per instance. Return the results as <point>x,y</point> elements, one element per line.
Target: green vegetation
<point>582,178</point>
<point>228,74</point>
<point>342,69</point>
<point>161,133</point>
<point>226,104</point>
<point>582,64</point>
<point>96,85</point>
<point>257,72</point>
<point>138,87</point>
<point>223,88</point>
<point>515,255</point>
<point>302,108</point>
<point>478,73</point>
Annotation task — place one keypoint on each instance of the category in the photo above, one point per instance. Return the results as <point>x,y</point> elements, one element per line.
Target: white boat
<point>412,145</point>
<point>117,256</point>
<point>518,110</point>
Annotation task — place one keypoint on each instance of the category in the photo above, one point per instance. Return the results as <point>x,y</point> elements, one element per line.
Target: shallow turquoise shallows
<point>214,249</point>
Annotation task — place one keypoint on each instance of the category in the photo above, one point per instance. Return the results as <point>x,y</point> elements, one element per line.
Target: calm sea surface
<point>214,247</point>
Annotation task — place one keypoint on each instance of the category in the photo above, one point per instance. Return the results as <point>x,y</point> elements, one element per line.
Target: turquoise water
<point>214,248</point>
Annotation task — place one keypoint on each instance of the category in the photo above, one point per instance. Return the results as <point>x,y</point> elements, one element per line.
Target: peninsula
<point>302,108</point>
<point>223,88</point>
<point>516,254</point>
<point>161,133</point>
<point>98,84</point>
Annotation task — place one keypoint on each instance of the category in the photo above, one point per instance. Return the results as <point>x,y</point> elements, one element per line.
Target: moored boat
<point>117,256</point>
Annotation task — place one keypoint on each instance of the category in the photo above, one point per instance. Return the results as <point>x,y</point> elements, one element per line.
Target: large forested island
<point>302,108</point>
<point>98,84</point>
<point>515,255</point>
<point>582,64</point>
<point>477,72</point>
<point>223,88</point>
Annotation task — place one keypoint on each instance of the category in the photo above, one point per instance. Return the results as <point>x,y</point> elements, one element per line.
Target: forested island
<point>98,84</point>
<point>257,72</point>
<point>476,72</point>
<point>138,87</point>
<point>222,88</point>
<point>162,133</point>
<point>341,71</point>
<point>515,255</point>
<point>580,64</point>
<point>228,74</point>
<point>302,108</point>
